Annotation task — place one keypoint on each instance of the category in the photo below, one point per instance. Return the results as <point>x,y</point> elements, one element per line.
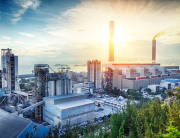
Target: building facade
<point>94,73</point>
<point>9,69</point>
<point>69,108</point>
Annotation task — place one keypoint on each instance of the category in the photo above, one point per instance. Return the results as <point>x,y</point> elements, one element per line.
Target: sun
<point>120,35</point>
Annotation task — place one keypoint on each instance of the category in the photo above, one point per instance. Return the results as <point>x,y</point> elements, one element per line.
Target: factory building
<point>94,73</point>
<point>135,75</point>
<point>70,108</point>
<point>9,69</point>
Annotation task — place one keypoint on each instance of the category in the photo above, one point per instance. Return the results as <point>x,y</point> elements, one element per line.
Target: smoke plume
<point>159,34</point>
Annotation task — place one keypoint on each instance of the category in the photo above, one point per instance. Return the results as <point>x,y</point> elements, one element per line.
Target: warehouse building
<point>70,108</point>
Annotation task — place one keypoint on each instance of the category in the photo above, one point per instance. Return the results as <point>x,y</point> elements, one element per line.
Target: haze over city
<point>74,31</point>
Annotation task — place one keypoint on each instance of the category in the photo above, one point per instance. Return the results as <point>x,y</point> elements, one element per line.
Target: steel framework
<point>41,72</point>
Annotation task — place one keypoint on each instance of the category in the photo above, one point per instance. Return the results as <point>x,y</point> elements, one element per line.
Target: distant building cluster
<point>135,75</point>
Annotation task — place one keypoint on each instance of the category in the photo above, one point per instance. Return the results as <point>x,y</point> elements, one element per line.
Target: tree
<point>49,133</point>
<point>140,88</point>
<point>75,134</point>
<point>169,93</point>
<point>69,131</point>
<point>172,132</point>
<point>148,90</point>
<point>101,133</point>
<point>106,89</point>
<point>121,130</point>
<point>164,96</point>
<point>56,130</point>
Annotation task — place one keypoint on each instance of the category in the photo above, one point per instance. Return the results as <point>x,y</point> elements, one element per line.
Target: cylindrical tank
<point>70,86</point>
<point>51,85</point>
<point>59,87</point>
<point>65,85</point>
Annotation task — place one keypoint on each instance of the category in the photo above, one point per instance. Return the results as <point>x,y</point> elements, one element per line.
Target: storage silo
<point>70,86</point>
<point>52,89</point>
<point>59,87</point>
<point>65,86</point>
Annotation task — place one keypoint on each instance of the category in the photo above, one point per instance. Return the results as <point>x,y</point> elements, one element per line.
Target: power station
<point>134,75</point>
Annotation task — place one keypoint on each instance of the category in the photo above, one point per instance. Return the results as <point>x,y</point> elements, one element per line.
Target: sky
<point>74,31</point>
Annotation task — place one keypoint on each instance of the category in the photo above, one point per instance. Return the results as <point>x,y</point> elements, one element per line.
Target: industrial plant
<point>64,96</point>
<point>125,76</point>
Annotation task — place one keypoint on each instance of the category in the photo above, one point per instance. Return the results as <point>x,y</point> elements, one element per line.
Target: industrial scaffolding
<point>41,72</point>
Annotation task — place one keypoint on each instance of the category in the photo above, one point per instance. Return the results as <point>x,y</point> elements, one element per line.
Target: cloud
<point>25,5</point>
<point>14,20</point>
<point>6,37</point>
<point>5,43</point>
<point>131,19</point>
<point>26,34</point>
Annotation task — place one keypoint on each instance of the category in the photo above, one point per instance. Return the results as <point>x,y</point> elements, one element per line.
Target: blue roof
<point>172,80</point>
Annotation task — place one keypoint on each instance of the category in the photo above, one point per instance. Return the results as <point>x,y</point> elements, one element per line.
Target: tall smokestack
<point>111,41</point>
<point>154,51</point>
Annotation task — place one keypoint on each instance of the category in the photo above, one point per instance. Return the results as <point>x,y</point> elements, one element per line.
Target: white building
<point>166,85</point>
<point>72,108</point>
<point>9,67</point>
<point>154,88</point>
<point>94,73</point>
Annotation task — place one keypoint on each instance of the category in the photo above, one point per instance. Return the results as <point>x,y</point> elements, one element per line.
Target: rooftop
<point>11,126</point>
<point>67,105</point>
<point>64,98</point>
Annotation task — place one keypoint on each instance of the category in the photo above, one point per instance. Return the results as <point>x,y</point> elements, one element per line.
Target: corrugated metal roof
<point>11,126</point>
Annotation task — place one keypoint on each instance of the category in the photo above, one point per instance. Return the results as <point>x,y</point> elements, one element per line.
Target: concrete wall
<point>76,119</point>
<point>116,79</point>
<point>127,84</point>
